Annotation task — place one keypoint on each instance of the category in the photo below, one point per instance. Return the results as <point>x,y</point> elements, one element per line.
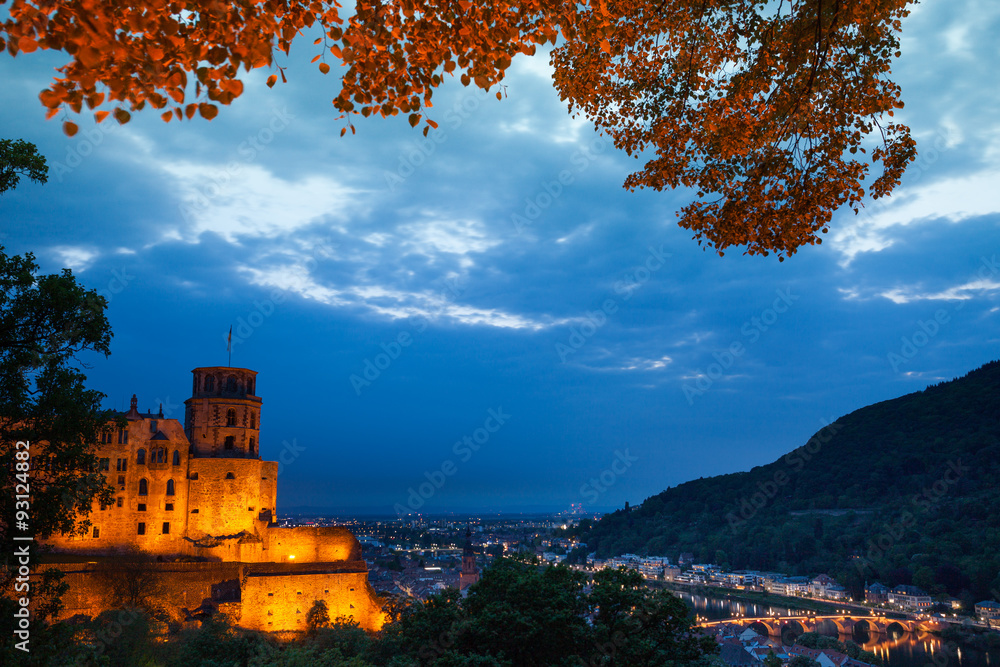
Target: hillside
<point>903,491</point>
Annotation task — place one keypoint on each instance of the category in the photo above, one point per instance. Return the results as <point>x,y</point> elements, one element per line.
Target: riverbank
<point>762,597</point>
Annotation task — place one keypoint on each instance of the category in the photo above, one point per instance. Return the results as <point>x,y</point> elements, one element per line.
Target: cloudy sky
<point>416,305</point>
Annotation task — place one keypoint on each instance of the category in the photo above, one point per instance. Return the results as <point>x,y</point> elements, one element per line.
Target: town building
<point>199,499</point>
<point>470,573</point>
<point>876,594</point>
<point>910,597</point>
<point>988,610</point>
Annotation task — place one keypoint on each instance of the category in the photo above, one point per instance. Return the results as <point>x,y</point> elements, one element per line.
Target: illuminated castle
<point>200,492</point>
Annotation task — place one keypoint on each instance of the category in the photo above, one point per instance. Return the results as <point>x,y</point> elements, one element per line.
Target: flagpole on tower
<point>229,345</point>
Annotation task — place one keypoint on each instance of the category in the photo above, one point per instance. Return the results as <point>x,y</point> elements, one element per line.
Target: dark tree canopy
<point>45,322</point>
<point>20,158</point>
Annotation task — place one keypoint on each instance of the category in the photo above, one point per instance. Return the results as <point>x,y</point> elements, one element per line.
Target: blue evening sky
<point>590,323</point>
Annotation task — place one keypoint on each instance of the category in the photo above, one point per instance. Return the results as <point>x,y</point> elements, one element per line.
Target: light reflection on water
<point>899,650</point>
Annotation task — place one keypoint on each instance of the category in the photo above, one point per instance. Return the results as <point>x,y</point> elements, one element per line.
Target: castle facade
<point>199,497</point>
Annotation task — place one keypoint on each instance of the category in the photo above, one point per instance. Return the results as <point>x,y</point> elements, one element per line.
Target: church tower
<point>469,574</point>
<point>222,417</point>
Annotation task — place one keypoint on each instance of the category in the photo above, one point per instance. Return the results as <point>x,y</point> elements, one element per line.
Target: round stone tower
<point>222,417</point>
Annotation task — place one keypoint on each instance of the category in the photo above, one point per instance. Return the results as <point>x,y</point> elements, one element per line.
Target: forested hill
<point>919,476</point>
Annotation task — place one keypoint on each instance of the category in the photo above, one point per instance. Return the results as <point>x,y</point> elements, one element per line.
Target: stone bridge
<point>774,626</point>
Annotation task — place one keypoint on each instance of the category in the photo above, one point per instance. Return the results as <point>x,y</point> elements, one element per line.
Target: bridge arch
<point>894,628</point>
<point>830,627</point>
<point>791,629</point>
<point>762,627</point>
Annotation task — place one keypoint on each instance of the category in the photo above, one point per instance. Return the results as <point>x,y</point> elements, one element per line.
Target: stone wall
<point>278,597</point>
<point>311,544</point>
<point>271,597</point>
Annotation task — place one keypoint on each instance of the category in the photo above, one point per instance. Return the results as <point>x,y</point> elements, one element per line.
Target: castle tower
<point>222,417</point>
<point>469,574</point>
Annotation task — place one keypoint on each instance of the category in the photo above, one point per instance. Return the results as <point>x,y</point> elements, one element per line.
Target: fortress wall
<point>311,544</point>
<point>273,597</point>
<point>269,487</point>
<point>280,600</point>
<point>186,585</point>
<point>224,505</point>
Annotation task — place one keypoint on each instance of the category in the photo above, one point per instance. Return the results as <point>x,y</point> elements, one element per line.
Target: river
<point>905,650</point>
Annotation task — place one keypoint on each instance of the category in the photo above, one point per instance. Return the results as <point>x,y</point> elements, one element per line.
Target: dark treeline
<point>521,614</point>
<point>919,476</point>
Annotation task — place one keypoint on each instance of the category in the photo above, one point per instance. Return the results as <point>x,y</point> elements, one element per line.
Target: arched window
<point>140,457</point>
<point>209,383</point>
<point>250,387</point>
<point>170,487</point>
<point>177,458</point>
<point>230,475</point>
<point>230,442</point>
<point>252,445</point>
<point>143,487</point>
<point>231,417</point>
<point>231,383</point>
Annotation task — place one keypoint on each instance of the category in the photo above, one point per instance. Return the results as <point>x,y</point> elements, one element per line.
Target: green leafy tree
<point>318,616</point>
<point>522,613</point>
<point>641,626</point>
<point>20,158</point>
<point>803,661</point>
<point>46,321</point>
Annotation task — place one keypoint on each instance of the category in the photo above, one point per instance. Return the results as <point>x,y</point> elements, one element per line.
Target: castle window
<point>230,475</point>
<point>122,464</point>
<point>140,457</point>
<point>209,383</point>
<point>123,436</point>
<point>105,464</point>
<point>152,426</point>
<point>250,387</point>
<point>253,420</point>
<point>193,475</point>
<point>143,487</point>
<point>177,457</point>
<point>97,532</point>
<point>252,445</point>
<point>170,487</point>
<point>166,527</point>
<point>119,503</point>
<point>231,384</point>
<point>141,507</point>
<point>141,530</point>
<point>161,455</point>
<point>121,480</point>
<point>230,417</point>
<point>105,438</point>
<point>169,507</point>
<point>194,511</point>
<point>230,442</point>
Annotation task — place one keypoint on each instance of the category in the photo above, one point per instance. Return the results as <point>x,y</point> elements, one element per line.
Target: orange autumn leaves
<point>766,110</point>
<point>130,55</point>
